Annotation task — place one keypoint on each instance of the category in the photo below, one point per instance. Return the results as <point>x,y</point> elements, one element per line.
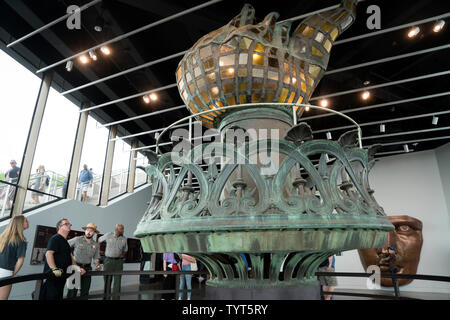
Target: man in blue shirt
<point>85,180</point>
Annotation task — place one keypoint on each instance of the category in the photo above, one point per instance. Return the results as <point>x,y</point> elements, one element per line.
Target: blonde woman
<point>13,246</point>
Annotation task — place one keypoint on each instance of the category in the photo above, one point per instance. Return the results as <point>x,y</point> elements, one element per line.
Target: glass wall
<point>51,163</point>
<point>140,176</point>
<point>93,158</point>
<point>120,166</point>
<point>19,89</point>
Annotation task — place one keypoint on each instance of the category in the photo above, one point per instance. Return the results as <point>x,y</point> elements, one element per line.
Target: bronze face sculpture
<point>407,241</point>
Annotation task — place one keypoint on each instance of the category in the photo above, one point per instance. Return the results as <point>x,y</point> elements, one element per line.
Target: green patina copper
<point>285,222</point>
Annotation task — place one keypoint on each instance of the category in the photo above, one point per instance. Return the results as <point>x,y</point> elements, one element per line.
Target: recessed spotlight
<point>230,70</point>
<point>307,108</point>
<point>153,97</point>
<point>413,32</point>
<point>84,59</point>
<point>438,26</point>
<point>98,28</point>
<point>324,103</point>
<point>435,120</point>
<point>329,135</point>
<point>69,65</point>
<point>146,99</point>
<point>105,50</point>
<point>294,80</point>
<point>93,55</point>
<point>366,83</point>
<point>365,95</point>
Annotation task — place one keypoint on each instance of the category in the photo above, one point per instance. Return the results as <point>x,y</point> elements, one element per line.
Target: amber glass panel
<point>211,77</point>
<point>214,92</point>
<point>205,52</point>
<point>242,72</point>
<point>311,81</point>
<point>301,28</point>
<point>303,86</point>
<point>319,37</point>
<point>193,107</point>
<point>316,52</point>
<point>302,76</point>
<point>334,33</point>
<point>327,45</point>
<point>208,64</point>
<point>188,77</point>
<point>245,43</point>
<point>286,67</point>
<point>213,113</point>
<point>308,32</point>
<point>256,97</point>
<point>225,48</point>
<point>294,81</point>
<point>181,84</point>
<point>231,101</point>
<point>219,104</point>
<point>327,27</point>
<point>339,16</point>
<point>207,123</point>
<point>191,88</point>
<point>227,73</point>
<point>257,85</point>
<point>243,58</point>
<point>200,83</point>
<point>178,74</point>
<point>258,73</point>
<point>197,72</point>
<point>272,85</point>
<point>206,117</point>
<point>228,88</point>
<point>283,95</point>
<point>242,86</point>
<point>184,94</point>
<point>300,99</point>
<point>198,102</point>
<point>291,97</point>
<point>204,96</point>
<point>269,97</point>
<point>226,60</point>
<point>260,47</point>
<point>242,98</point>
<point>314,70</point>
<point>287,79</point>
<point>258,59</point>
<point>272,75</point>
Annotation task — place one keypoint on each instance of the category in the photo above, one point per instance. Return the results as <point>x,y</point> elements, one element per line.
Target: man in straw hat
<point>85,249</point>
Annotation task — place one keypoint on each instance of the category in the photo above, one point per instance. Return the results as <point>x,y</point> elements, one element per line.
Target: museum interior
<point>302,148</point>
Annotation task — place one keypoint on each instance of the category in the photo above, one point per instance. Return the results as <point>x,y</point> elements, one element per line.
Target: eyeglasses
<point>67,224</point>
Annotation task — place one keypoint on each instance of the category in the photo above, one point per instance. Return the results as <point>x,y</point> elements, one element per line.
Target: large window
<point>19,89</point>
<point>93,156</point>
<point>120,167</point>
<point>51,163</point>
<point>140,177</point>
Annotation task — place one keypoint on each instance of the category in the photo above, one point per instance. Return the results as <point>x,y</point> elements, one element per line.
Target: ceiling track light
<point>307,108</point>
<point>329,135</point>
<point>413,32</point>
<point>105,50</point>
<point>153,97</point>
<point>324,103</point>
<point>405,148</point>
<point>84,59</point>
<point>382,128</point>
<point>435,120</point>
<point>365,95</point>
<point>93,55</point>
<point>439,25</point>
<point>69,65</point>
<point>146,99</point>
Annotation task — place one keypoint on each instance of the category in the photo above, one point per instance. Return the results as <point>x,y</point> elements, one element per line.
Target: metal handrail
<point>42,276</point>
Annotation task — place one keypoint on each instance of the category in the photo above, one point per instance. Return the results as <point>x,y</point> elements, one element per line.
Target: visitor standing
<point>85,180</point>
<point>13,246</point>
<point>186,262</point>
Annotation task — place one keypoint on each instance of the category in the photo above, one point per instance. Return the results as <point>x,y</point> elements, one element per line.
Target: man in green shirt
<point>115,252</point>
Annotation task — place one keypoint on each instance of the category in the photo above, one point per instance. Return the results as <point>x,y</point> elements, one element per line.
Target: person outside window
<point>85,180</point>
<point>39,184</point>
<point>11,176</point>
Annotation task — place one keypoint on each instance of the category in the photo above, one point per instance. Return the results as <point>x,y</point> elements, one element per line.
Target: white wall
<point>412,184</point>
<point>127,210</point>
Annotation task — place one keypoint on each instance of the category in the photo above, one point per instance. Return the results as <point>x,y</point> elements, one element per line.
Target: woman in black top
<point>13,246</point>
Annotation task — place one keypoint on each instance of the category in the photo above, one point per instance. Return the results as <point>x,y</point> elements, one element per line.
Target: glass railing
<point>118,184</point>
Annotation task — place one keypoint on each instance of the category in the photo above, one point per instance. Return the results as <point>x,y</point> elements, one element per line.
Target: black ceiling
<point>20,17</point>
